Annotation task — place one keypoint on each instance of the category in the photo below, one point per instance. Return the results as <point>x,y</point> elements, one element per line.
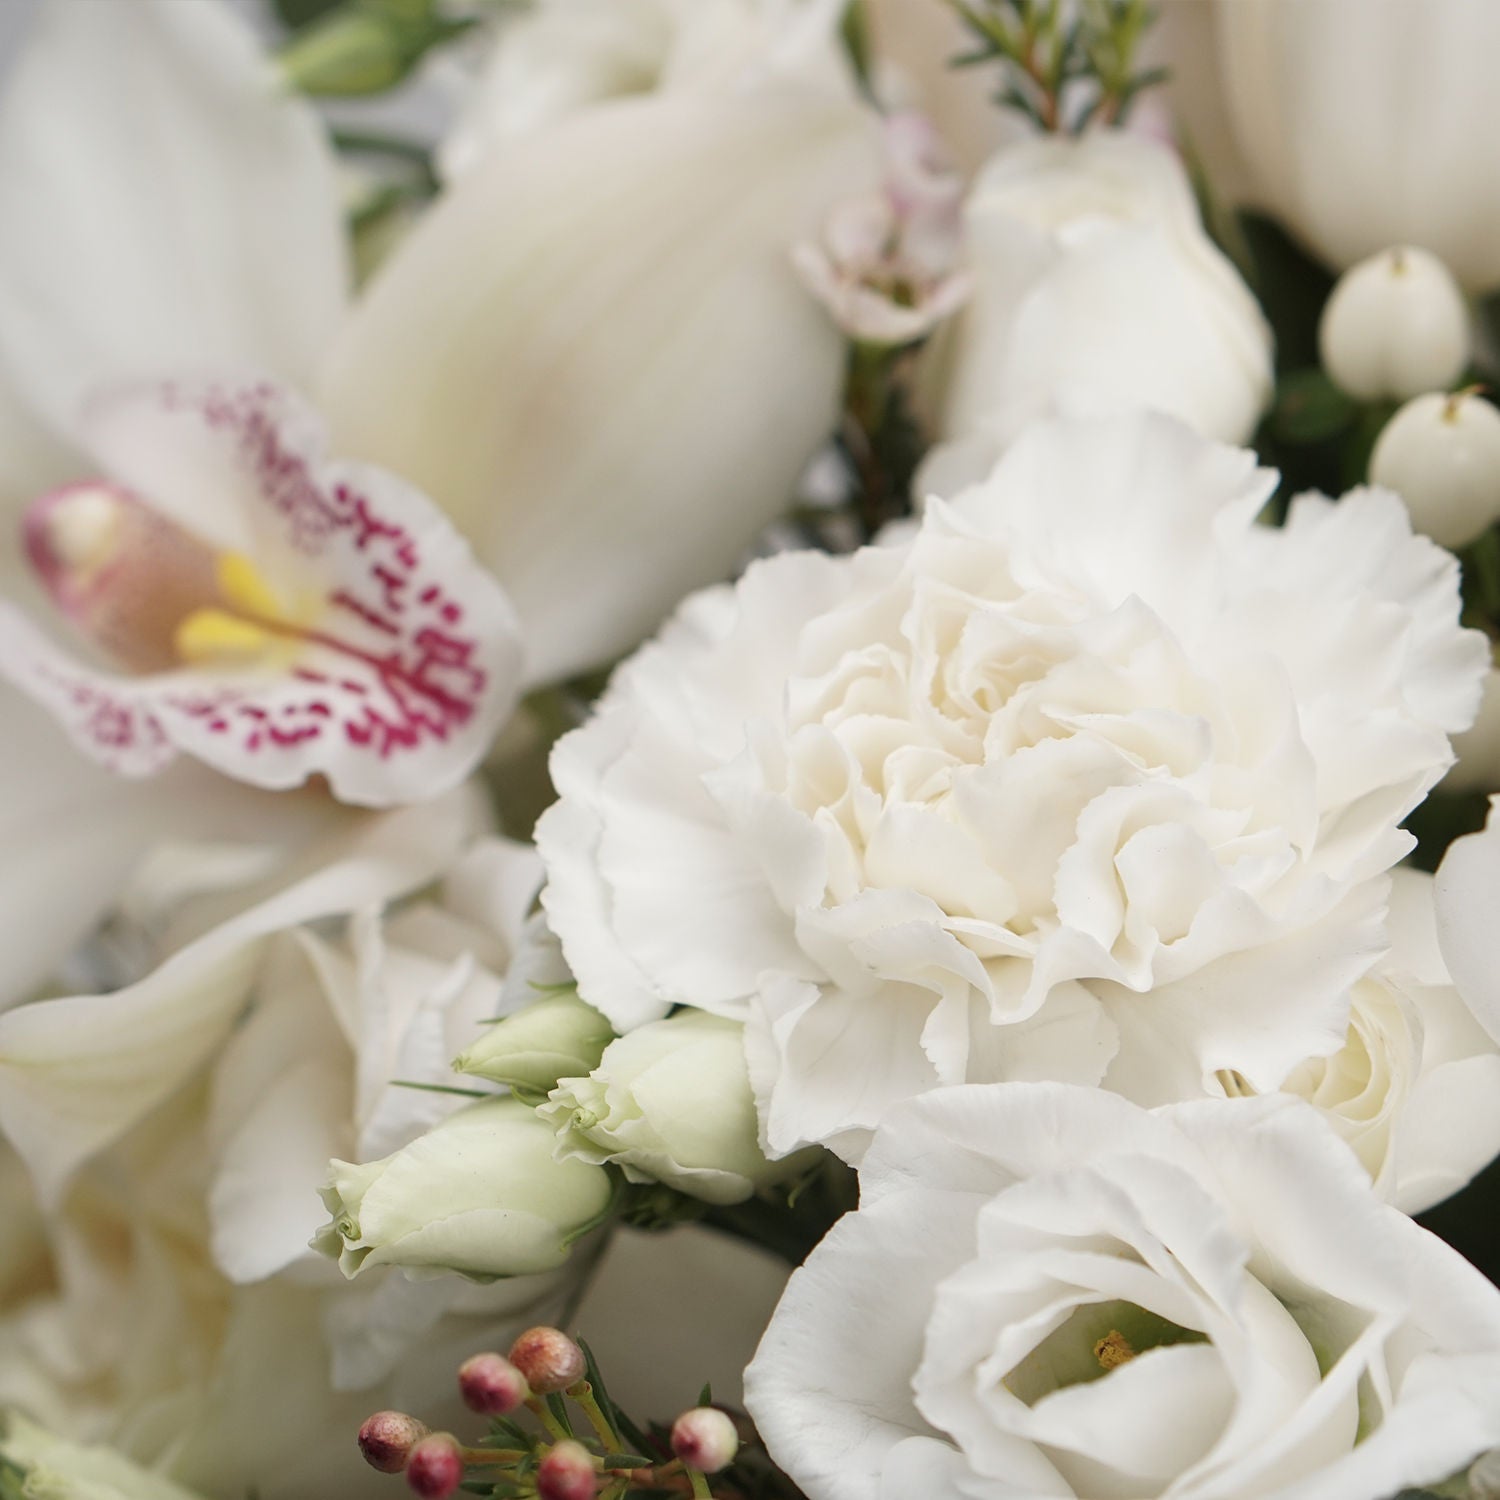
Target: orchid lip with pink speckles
<point>277,615</point>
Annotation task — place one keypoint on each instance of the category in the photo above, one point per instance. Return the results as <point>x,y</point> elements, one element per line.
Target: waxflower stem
<point>700,1485</point>
<point>583,1393</point>
<point>538,1408</point>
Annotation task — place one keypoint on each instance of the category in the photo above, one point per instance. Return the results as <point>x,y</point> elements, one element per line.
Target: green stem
<point>583,1393</point>
<point>700,1485</point>
<point>538,1408</point>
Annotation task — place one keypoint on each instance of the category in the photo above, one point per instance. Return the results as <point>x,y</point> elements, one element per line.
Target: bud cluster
<point>548,1457</point>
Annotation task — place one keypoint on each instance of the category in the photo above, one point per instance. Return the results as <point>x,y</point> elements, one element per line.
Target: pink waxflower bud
<point>491,1385</point>
<point>387,1438</point>
<point>567,1473</point>
<point>705,1439</point>
<point>548,1359</point>
<point>435,1468</point>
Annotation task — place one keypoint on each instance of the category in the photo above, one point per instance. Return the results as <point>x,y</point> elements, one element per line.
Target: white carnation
<point>1089,777</point>
<point>1047,1291</point>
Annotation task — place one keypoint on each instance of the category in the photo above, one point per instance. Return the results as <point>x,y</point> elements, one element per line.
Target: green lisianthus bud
<point>670,1102</point>
<point>54,1469</point>
<point>555,1037</point>
<point>479,1194</point>
<point>349,53</point>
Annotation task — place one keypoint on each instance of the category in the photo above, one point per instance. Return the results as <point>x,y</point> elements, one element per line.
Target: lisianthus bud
<point>387,1438</point>
<point>567,1473</point>
<point>705,1439</point>
<point>1441,454</point>
<point>435,1468</point>
<point>557,1037</point>
<point>548,1359</point>
<point>670,1102</point>
<point>1395,326</point>
<point>491,1385</point>
<point>480,1194</point>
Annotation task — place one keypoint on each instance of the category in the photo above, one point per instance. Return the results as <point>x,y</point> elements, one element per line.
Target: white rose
<point>670,1102</point>
<point>597,334</point>
<point>1089,776</point>
<point>1048,1291</point>
<point>1095,289</point>
<point>480,1193</point>
<point>1309,89</point>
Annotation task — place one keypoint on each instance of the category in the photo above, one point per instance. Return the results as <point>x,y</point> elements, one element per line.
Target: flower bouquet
<point>747,749</point>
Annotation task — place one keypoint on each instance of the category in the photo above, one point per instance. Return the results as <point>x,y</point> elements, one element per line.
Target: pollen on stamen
<point>1113,1350</point>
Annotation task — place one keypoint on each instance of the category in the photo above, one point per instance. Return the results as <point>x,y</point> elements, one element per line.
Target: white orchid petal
<point>394,660</point>
<point>168,204</point>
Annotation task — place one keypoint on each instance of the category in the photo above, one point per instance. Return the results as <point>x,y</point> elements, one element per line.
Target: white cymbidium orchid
<point>281,615</point>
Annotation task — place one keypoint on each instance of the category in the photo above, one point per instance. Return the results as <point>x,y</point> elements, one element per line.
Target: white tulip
<point>1048,1291</point>
<point>1441,454</point>
<point>480,1194</point>
<point>1367,125</point>
<point>1095,289</point>
<point>1395,327</point>
<point>669,1102</point>
<point>596,352</point>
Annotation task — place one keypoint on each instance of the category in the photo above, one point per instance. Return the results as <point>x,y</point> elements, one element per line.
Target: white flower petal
<point>170,205</point>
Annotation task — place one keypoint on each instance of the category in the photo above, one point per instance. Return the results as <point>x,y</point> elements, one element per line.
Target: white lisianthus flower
<point>1095,290</point>
<point>669,1102</point>
<point>1087,777</point>
<point>556,1036</point>
<point>1415,1089</point>
<point>1048,1291</point>
<point>481,1194</point>
<point>1467,884</point>
<point>1308,88</point>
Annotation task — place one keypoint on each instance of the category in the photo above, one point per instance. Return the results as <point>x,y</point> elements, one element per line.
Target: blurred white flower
<point>179,1130</point>
<point>1441,454</point>
<point>1395,326</point>
<point>1312,88</point>
<point>278,615</point>
<point>1089,776</point>
<point>1096,290</point>
<point>669,1102</point>
<point>595,351</point>
<point>887,266</point>
<point>1048,1291</point>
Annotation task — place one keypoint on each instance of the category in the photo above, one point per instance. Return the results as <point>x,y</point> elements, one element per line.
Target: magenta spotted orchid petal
<point>270,612</point>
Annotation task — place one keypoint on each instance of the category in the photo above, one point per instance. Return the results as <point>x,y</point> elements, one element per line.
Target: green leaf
<point>1311,408</point>
<point>1292,287</point>
<point>295,14</point>
<point>706,1395</point>
<point>559,1409</point>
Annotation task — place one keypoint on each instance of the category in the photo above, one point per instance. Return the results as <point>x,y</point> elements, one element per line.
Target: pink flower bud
<point>705,1439</point>
<point>567,1473</point>
<point>491,1385</point>
<point>387,1438</point>
<point>548,1359</point>
<point>436,1466</point>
